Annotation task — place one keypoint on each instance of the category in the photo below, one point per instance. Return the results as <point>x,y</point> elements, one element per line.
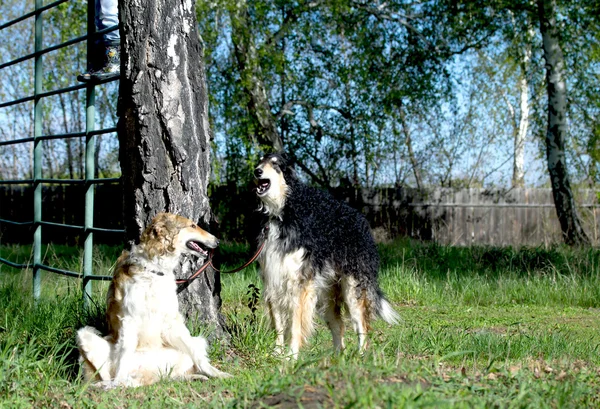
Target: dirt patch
<point>307,397</point>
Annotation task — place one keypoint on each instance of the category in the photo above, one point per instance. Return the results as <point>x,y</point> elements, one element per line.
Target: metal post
<point>37,154</point>
<point>90,150</point>
<point>90,168</point>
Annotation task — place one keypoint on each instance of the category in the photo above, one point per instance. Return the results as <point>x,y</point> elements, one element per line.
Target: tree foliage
<point>369,92</point>
<point>439,93</point>
<point>62,113</point>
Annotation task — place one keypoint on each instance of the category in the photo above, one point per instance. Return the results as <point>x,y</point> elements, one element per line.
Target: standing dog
<point>318,254</point>
<point>147,336</point>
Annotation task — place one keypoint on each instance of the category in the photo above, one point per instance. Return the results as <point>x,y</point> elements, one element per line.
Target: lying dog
<point>148,338</point>
<point>319,254</point>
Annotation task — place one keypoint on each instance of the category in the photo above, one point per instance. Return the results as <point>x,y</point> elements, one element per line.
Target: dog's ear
<point>288,164</point>
<point>157,227</point>
<point>158,236</point>
<point>158,230</point>
<point>285,160</point>
<point>286,157</point>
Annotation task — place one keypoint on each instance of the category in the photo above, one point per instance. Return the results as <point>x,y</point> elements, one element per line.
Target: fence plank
<point>448,216</point>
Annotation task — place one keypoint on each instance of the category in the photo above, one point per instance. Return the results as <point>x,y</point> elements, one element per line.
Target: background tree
<point>164,131</point>
<point>251,76</point>
<point>579,29</point>
<point>350,85</point>
<point>63,113</point>
<point>557,125</point>
<point>371,94</point>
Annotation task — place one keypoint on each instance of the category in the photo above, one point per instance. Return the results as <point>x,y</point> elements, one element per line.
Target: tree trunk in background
<point>566,210</point>
<point>520,133</point>
<point>251,75</point>
<point>518,177</point>
<point>164,132</point>
<point>409,146</point>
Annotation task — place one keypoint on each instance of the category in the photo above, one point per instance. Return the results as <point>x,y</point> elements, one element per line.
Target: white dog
<point>148,338</point>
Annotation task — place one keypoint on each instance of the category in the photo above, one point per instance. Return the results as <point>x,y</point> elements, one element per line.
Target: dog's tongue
<point>194,246</point>
<point>262,185</point>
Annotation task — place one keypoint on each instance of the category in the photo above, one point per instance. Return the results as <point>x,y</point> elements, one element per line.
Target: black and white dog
<point>319,254</point>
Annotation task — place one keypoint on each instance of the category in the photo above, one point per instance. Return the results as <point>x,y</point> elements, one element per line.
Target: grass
<point>481,327</point>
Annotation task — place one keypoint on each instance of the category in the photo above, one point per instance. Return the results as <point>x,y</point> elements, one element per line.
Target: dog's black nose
<point>258,172</point>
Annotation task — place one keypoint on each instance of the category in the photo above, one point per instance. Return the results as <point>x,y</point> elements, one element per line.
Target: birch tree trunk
<point>556,133</point>
<point>164,132</point>
<point>409,146</point>
<point>518,177</point>
<point>251,74</point>
<point>520,134</point>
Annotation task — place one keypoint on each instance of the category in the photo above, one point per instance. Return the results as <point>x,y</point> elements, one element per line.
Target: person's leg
<point>107,62</point>
<point>107,15</point>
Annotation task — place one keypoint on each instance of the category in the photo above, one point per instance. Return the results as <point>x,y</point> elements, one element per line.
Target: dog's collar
<point>148,266</point>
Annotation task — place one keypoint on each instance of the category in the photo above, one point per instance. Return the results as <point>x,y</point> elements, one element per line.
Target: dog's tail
<point>379,307</point>
<point>386,312</point>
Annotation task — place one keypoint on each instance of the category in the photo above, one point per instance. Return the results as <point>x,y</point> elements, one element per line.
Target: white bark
<point>518,179</point>
<point>557,126</point>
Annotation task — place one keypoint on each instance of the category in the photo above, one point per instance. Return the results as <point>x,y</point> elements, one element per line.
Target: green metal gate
<point>37,138</point>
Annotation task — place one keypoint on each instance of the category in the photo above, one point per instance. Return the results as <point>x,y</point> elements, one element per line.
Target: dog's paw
<point>210,371</point>
<point>224,375</point>
<point>283,353</point>
<point>196,377</point>
<point>291,357</point>
<point>215,373</point>
<point>105,385</point>
<point>114,383</point>
<point>279,351</point>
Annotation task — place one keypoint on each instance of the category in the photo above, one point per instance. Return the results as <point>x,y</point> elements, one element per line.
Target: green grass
<point>481,327</point>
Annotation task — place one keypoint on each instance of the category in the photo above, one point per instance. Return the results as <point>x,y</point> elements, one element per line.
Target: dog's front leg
<point>302,318</point>
<point>179,338</point>
<point>278,325</point>
<point>124,353</point>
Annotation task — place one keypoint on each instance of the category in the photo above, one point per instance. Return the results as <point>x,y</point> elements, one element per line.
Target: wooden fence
<point>447,216</point>
<point>462,217</point>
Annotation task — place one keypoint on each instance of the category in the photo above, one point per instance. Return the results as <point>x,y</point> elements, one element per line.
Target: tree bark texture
<point>409,146</point>
<point>518,176</point>
<point>164,131</point>
<point>251,75</point>
<point>556,133</point>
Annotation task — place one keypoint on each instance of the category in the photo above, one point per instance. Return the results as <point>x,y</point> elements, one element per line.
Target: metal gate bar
<point>90,134</point>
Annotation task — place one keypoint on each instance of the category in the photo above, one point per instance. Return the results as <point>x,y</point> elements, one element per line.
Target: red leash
<point>210,263</point>
<point>197,273</point>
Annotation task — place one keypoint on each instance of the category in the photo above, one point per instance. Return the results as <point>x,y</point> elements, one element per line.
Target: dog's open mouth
<point>262,185</point>
<point>197,247</point>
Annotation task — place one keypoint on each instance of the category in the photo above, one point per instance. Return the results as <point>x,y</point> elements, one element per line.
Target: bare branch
<point>291,17</point>
<point>310,173</point>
